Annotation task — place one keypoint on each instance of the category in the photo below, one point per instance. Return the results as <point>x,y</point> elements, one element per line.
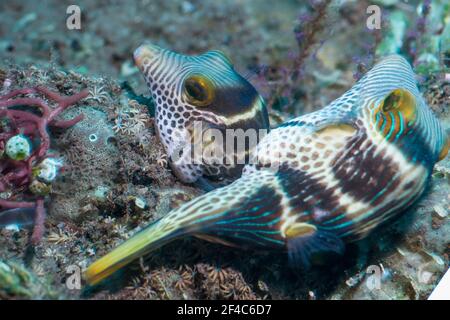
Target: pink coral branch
<point>45,139</point>
<point>67,123</point>
<point>17,92</point>
<point>16,176</point>
<point>38,230</point>
<point>22,116</point>
<point>63,102</point>
<point>7,204</point>
<point>30,102</point>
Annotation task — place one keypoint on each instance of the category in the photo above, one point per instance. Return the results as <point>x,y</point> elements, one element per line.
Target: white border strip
<point>442,290</point>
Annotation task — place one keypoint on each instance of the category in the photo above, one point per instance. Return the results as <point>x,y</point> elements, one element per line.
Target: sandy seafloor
<point>92,207</point>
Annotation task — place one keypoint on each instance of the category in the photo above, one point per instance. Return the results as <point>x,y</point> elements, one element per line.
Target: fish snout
<point>145,53</point>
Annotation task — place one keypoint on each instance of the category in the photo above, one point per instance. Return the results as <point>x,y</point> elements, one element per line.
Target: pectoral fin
<point>306,241</point>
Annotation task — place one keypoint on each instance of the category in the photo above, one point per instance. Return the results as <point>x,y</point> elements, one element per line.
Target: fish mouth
<point>145,53</point>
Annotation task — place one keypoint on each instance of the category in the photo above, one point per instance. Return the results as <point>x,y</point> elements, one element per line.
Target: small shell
<point>440,211</point>
<point>18,147</point>
<point>40,188</point>
<point>139,203</point>
<point>47,170</point>
<point>101,193</point>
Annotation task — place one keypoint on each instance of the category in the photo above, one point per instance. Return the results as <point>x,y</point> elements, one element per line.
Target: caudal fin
<point>149,239</point>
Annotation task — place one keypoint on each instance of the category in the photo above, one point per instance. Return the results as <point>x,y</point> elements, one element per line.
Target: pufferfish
<point>318,181</point>
<point>193,96</point>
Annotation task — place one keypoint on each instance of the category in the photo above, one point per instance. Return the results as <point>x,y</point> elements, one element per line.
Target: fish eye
<point>392,101</point>
<point>402,101</point>
<point>198,90</point>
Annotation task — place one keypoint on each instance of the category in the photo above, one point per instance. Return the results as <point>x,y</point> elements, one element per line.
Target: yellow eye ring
<point>399,108</point>
<point>445,149</point>
<point>403,101</point>
<point>198,90</point>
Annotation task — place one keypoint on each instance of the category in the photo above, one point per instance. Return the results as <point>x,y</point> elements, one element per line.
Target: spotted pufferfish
<point>318,181</point>
<point>193,96</point>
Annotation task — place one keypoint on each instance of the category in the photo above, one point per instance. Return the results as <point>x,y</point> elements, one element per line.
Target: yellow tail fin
<point>195,217</point>
<point>149,239</point>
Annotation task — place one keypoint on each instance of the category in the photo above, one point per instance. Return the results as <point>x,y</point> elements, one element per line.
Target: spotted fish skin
<point>318,181</point>
<point>351,166</point>
<point>189,90</point>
